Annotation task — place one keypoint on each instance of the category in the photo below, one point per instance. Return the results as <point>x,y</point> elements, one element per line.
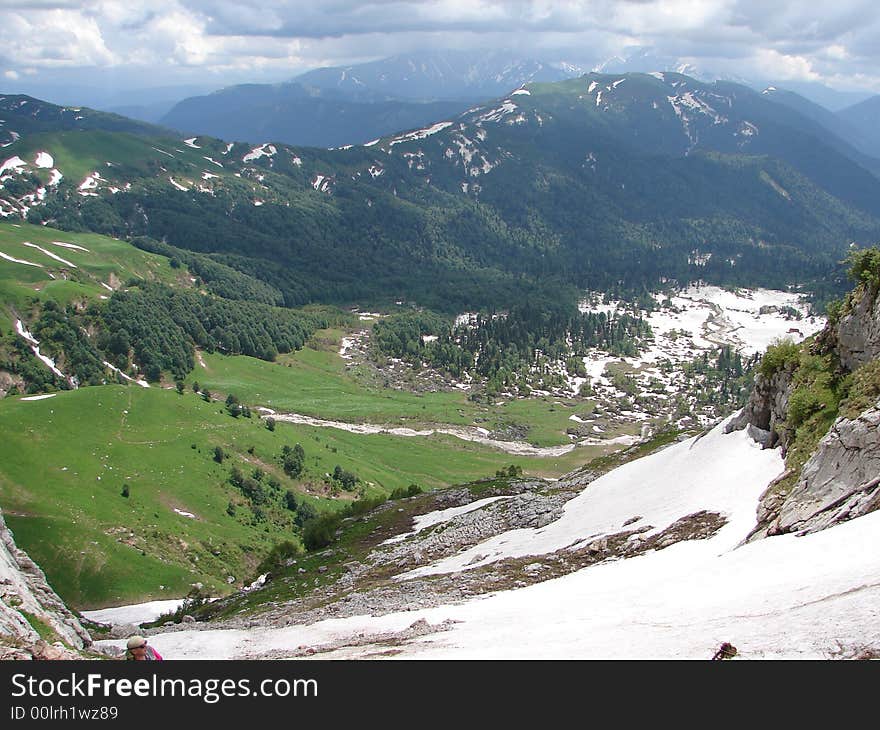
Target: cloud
<point>839,41</point>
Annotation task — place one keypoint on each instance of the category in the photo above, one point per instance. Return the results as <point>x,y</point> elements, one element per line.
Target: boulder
<point>123,631</point>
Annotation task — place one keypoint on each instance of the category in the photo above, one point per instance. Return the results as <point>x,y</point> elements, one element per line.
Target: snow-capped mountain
<point>437,75</point>
<point>332,107</point>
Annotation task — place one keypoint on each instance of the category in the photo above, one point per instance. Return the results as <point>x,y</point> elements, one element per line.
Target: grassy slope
<point>80,153</point>
<point>314,382</point>
<point>105,258</point>
<point>64,461</point>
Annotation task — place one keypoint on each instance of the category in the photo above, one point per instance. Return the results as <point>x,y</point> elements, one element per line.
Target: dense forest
<point>151,329</point>
<point>507,348</point>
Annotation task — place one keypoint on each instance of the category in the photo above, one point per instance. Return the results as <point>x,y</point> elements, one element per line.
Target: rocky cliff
<point>764,414</point>
<point>841,479</point>
<point>857,334</point>
<point>34,622</point>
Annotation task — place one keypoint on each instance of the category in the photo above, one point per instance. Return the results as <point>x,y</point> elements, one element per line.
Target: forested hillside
<point>601,182</point>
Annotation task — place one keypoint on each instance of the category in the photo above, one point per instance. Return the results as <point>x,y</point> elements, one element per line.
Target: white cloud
<point>10,74</point>
<point>790,38</point>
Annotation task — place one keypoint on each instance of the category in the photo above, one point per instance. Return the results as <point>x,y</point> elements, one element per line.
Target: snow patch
<point>466,434</point>
<point>423,522</point>
<point>137,614</point>
<point>49,254</point>
<point>264,150</point>
<point>142,383</point>
<point>19,261</point>
<point>420,133</point>
<point>723,473</point>
<point>13,163</point>
<point>44,159</point>
<point>91,181</point>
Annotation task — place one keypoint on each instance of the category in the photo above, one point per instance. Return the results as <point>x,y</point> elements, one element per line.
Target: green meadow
<point>79,153</point>
<point>106,261</point>
<point>98,484</point>
<point>65,460</point>
<point>314,382</point>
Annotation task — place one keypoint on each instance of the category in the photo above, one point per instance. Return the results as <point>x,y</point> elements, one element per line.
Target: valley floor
<point>815,596</point>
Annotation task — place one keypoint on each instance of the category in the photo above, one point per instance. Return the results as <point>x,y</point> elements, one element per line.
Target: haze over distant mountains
<point>332,107</point>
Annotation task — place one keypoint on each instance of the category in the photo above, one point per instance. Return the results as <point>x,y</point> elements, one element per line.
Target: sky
<point>115,44</point>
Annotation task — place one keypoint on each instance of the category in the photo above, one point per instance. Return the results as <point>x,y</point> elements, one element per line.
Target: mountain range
<point>604,178</point>
<point>332,107</point>
<point>145,276</point>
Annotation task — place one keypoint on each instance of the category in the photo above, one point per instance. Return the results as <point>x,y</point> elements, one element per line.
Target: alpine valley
<point>587,368</point>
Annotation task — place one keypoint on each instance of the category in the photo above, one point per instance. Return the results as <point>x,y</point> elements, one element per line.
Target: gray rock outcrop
<point>764,414</point>
<point>858,331</point>
<point>25,593</point>
<point>840,481</point>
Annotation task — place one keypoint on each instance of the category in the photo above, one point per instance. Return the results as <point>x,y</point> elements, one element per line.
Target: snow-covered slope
<point>815,596</point>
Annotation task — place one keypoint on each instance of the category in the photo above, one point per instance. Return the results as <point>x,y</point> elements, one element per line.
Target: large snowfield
<point>815,596</point>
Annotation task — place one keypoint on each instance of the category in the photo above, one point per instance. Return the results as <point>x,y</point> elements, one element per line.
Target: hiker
<point>725,651</point>
<point>137,650</point>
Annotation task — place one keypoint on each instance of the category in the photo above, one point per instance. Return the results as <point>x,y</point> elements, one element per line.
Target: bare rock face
<point>858,332</point>
<point>8,381</point>
<point>841,480</point>
<point>764,414</point>
<point>25,593</point>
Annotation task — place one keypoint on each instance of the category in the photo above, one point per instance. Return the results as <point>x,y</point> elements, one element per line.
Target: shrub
<point>802,404</point>
<point>402,492</point>
<point>864,390</point>
<point>304,513</point>
<point>219,454</point>
<point>319,532</point>
<point>345,478</point>
<point>253,490</point>
<point>270,423</point>
<point>233,406</point>
<point>125,490</point>
<point>279,555</point>
<point>194,600</point>
<point>290,500</point>
<point>780,354</point>
<point>834,310</point>
<point>864,267</point>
